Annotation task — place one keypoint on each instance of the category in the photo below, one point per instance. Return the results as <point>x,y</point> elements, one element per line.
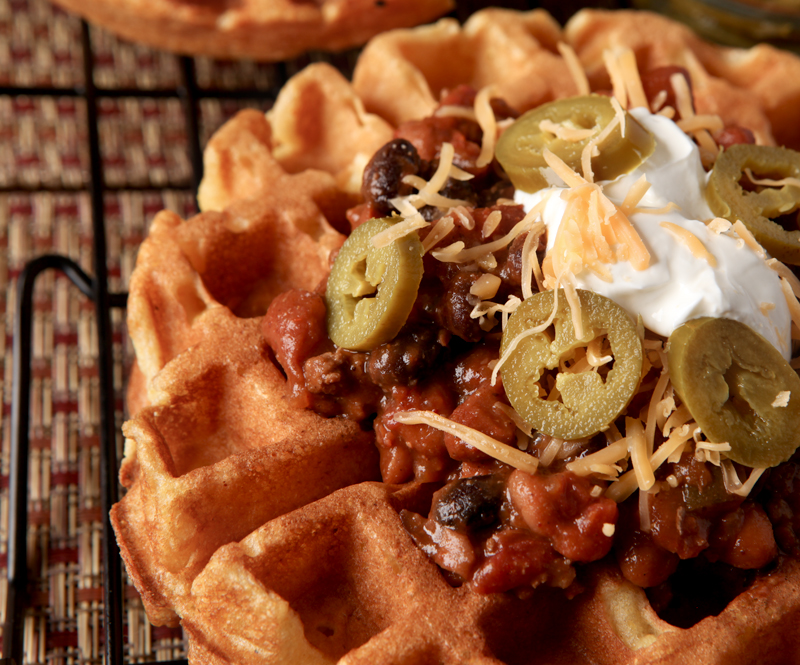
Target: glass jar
<point>736,22</point>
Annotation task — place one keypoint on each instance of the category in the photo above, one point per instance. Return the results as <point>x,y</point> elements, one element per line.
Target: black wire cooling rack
<point>96,288</point>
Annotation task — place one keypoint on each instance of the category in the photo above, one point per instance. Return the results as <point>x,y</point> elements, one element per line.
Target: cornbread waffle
<point>272,30</point>
<point>264,561</point>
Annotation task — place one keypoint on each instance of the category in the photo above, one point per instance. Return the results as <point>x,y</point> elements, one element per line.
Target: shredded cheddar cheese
<point>719,225</point>
<point>638,448</point>
<point>691,241</point>
<point>611,454</point>
<point>744,233</point>
<point>617,77</point>
<point>486,286</point>
<point>473,437</point>
<point>439,231</point>
<point>488,124</point>
<point>399,230</point>
<point>491,223</point>
<point>695,123</point>
<point>733,485</point>
<point>658,101</point>
<point>564,132</point>
<point>456,253</point>
<point>769,182</point>
<point>683,100</point>
<point>633,82</point>
<point>575,68</point>
<point>781,399</point>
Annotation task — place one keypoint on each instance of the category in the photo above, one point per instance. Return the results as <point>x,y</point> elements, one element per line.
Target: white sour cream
<point>677,286</point>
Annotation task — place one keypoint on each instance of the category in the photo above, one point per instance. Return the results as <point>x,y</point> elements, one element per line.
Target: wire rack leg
<point>17,571</point>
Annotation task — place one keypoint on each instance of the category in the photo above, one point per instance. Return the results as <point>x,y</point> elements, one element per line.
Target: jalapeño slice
<point>729,377</point>
<point>588,401</point>
<point>371,290</point>
<point>758,208</point>
<point>519,149</point>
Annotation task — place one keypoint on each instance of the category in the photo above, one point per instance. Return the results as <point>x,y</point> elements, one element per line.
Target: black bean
<point>456,307</point>
<point>405,360</point>
<point>468,504</point>
<point>383,176</point>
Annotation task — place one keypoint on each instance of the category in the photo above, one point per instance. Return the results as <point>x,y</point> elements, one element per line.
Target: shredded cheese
<point>442,227</point>
<point>769,182</point>
<point>405,206</point>
<point>733,485</point>
<point>399,230</point>
<point>609,455</point>
<point>719,225</point>
<point>695,123</point>
<point>617,77</point>
<point>717,447</point>
<point>450,110</point>
<point>667,112</point>
<point>473,437</point>
<point>428,196</point>
<point>464,217</point>
<point>509,411</point>
<point>691,241</point>
<point>594,352</point>
<point>551,451</point>
<point>635,195</point>
<point>451,254</point>
<point>575,68</point>
<point>782,399</point>
<point>658,101</point>
<point>486,286</point>
<point>633,82</point>
<point>749,239</point>
<point>491,223</point>
<point>683,100</point>
<point>488,124</point>
<point>637,445</point>
<point>629,482</point>
<point>786,273</point>
<point>679,417</point>
<point>530,261</point>
<point>564,132</point>
<point>655,399</point>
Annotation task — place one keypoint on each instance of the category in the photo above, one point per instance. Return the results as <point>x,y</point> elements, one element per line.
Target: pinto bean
<point>561,508</point>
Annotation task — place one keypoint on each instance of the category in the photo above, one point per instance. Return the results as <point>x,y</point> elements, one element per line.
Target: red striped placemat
<point>45,208</point>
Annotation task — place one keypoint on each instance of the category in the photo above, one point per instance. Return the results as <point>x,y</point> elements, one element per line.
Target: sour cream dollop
<point>677,286</point>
